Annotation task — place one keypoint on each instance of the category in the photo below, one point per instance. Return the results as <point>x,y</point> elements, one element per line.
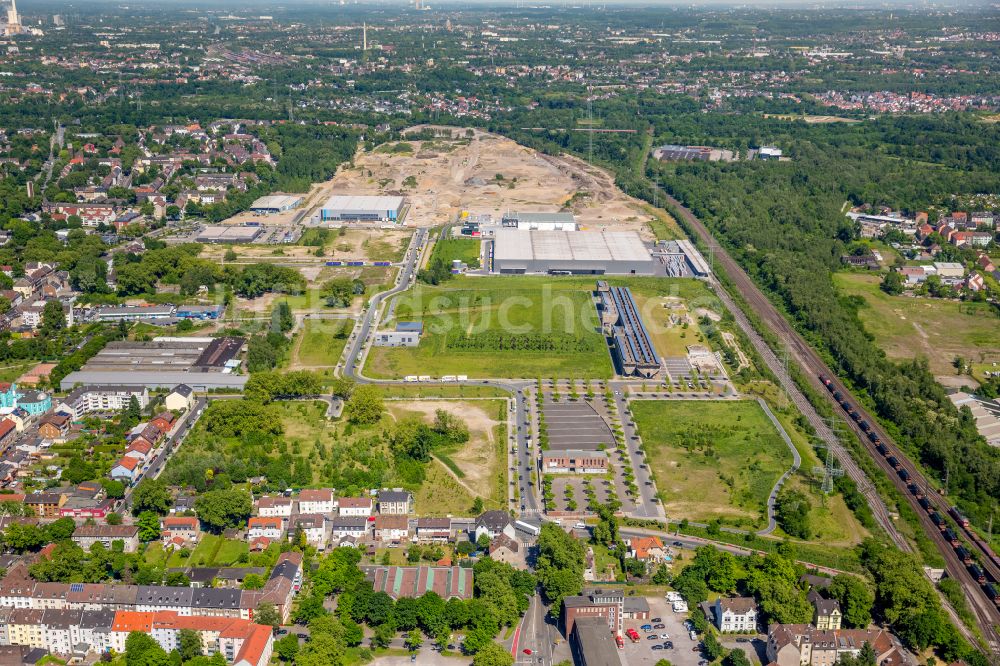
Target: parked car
<point>659,625</point>
<point>656,647</point>
<point>646,627</point>
<point>656,619</point>
<point>652,637</point>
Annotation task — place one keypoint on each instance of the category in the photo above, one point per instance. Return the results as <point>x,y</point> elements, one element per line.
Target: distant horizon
<point>920,5</point>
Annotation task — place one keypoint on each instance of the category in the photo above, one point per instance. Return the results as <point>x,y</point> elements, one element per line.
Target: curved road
<point>360,341</point>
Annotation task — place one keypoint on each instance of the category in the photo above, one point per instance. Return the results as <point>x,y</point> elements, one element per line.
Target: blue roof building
<point>410,327</point>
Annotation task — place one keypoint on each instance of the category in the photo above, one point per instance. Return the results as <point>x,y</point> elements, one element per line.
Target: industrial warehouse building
<point>540,221</point>
<point>275,203</point>
<point>201,363</point>
<point>571,253</point>
<point>361,209</point>
<point>222,233</point>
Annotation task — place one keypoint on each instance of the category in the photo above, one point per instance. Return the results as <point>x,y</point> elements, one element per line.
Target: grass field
<point>935,328</point>
<point>464,249</point>
<point>712,459</point>
<point>520,308</point>
<point>322,342</point>
<point>541,307</point>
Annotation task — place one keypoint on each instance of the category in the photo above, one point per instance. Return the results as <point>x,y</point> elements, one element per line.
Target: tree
<point>113,488</point>
<point>220,509</point>
<point>713,649</point>
<point>365,405</point>
<point>791,509</point>
<point>414,640</point>
<point>143,650</point>
<point>477,506</point>
<point>321,650</point>
<point>78,471</point>
<point>856,600</point>
<point>189,644</point>
<point>736,657</point>
<point>151,495</point>
<point>493,655</point>
<point>149,526</point>
<point>253,582</point>
<point>287,647</point>
<point>53,319</point>
<point>59,530</point>
<point>383,635</point>
<point>892,283</point>
<point>113,518</point>
<point>23,538</point>
<point>267,614</point>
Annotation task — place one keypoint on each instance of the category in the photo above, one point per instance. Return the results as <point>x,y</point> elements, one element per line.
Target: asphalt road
<point>155,466</point>
<point>647,505</point>
<point>360,341</point>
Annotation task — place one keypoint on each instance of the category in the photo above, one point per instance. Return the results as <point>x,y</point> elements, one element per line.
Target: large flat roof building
<point>571,252</point>
<point>201,363</point>
<point>223,233</point>
<point>361,209</point>
<point>275,203</point>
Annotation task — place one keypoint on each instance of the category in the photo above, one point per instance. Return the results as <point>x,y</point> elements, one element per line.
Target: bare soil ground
<point>459,174</point>
<point>478,458</point>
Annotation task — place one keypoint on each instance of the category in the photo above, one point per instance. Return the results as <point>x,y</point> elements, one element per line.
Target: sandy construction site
<point>486,173</point>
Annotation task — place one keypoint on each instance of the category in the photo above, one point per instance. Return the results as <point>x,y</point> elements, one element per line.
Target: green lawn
<point>712,459</point>
<point>215,551</point>
<point>323,341</point>
<point>556,321</point>
<point>935,328</point>
<point>464,249</point>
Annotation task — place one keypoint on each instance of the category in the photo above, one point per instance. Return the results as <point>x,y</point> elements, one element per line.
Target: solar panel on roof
<point>76,587</point>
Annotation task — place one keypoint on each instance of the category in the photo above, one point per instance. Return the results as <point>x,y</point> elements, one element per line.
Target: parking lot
<point>641,653</point>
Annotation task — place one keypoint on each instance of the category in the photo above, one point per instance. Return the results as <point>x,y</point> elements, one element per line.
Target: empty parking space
<point>575,425</point>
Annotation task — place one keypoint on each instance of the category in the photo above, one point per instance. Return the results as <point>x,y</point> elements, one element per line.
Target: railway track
<point>982,605</point>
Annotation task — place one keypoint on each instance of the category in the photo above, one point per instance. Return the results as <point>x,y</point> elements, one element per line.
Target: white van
<point>693,635</point>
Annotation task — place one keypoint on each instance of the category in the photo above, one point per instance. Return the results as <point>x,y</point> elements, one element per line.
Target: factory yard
<point>488,174</point>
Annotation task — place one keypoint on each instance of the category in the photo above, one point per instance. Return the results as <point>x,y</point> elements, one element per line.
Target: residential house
<point>180,398</point>
<point>271,528</point>
<point>8,433</point>
<point>395,503</point>
<point>184,528</point>
<point>647,549</point>
<point>805,645</point>
<point>45,505</point>
<point>126,469</point>
<point>735,614</point>
<point>274,507</point>
<point>826,614</point>
<point>391,529</point>
<point>507,550</point>
<point>54,426</point>
<point>433,530</point>
<point>493,523</point>
<point>319,500</point>
<point>85,400</point>
<point>312,526</point>
<point>350,526</point>
<point>355,506</point>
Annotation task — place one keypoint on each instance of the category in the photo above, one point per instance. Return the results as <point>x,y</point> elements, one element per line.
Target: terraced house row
<point>75,633</point>
<point>19,591</point>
